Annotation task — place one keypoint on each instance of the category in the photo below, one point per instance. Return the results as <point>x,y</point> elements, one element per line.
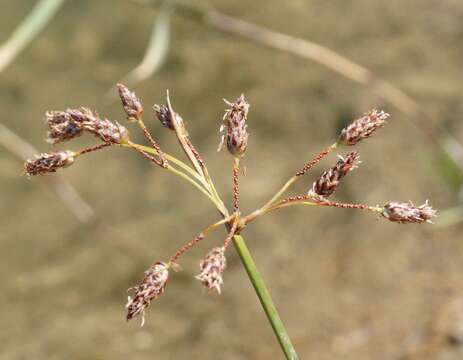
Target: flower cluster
<point>71,123</point>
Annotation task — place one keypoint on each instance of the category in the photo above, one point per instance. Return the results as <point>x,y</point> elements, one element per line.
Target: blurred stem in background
<point>71,198</point>
<point>29,28</point>
<point>303,48</point>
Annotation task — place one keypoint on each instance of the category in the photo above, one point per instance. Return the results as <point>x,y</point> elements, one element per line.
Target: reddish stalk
<point>316,160</point>
<point>94,148</point>
<point>236,188</point>
<point>163,162</point>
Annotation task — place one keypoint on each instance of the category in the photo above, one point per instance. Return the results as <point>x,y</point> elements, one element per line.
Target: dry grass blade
<point>29,28</point>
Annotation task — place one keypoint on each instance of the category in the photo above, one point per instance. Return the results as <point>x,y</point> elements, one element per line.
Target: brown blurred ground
<point>348,286</point>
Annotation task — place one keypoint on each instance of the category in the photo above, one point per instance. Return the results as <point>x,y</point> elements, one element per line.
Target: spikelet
<point>363,127</point>
<point>48,162</point>
<point>151,288</point>
<point>407,212</point>
<point>130,102</point>
<point>234,125</point>
<point>327,184</point>
<point>212,267</point>
<point>61,127</point>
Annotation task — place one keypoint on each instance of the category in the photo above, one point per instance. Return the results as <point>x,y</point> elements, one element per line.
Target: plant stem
<point>281,191</point>
<point>170,158</point>
<point>265,298</point>
<point>194,183</point>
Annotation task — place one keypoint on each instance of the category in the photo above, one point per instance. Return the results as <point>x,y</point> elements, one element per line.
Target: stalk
<point>265,298</point>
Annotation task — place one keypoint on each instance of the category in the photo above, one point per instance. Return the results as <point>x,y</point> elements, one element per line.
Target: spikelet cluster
<point>65,125</point>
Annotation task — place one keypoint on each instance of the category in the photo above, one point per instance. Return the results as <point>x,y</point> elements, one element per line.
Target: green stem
<point>173,159</point>
<point>194,183</point>
<point>265,298</point>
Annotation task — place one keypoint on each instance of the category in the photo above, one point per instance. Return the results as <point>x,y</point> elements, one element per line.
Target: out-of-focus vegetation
<point>347,286</point>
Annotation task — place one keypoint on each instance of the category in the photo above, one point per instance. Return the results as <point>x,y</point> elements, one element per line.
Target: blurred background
<point>347,285</point>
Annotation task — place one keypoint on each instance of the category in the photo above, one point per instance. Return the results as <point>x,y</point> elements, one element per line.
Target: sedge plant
<point>71,123</point>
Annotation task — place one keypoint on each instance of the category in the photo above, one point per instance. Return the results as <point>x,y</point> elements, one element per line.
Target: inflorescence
<point>72,123</point>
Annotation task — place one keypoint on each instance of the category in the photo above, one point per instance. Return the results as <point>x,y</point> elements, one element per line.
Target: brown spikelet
<point>163,114</point>
<point>363,127</point>
<point>130,102</point>
<point>234,124</point>
<point>48,162</point>
<point>407,212</point>
<point>102,128</point>
<point>151,287</point>
<point>212,267</point>
<point>327,184</point>
<point>61,127</point>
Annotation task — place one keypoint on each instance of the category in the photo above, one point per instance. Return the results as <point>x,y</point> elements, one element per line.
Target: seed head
<point>234,123</point>
<point>212,267</point>
<point>48,162</point>
<point>131,103</point>
<point>327,184</point>
<point>363,127</point>
<point>62,127</point>
<point>407,212</point>
<point>163,114</point>
<point>82,115</point>
<point>151,287</point>
<point>106,130</point>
